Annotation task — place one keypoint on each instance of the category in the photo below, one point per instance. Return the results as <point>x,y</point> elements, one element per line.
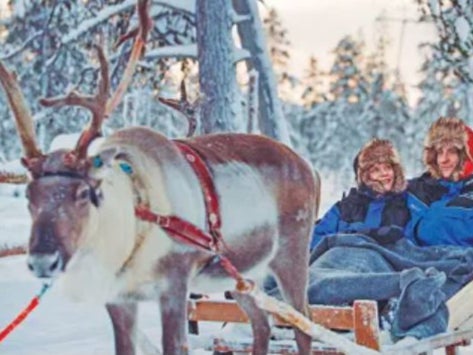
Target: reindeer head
<point>62,196</point>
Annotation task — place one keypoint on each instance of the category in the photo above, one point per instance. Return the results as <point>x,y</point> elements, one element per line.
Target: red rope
<point>24,313</point>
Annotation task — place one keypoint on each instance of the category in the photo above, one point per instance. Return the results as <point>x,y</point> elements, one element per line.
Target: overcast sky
<point>315,27</point>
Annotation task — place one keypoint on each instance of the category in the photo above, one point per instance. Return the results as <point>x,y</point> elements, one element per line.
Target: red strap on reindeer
<point>182,230</point>
<point>178,228</point>
<point>187,232</point>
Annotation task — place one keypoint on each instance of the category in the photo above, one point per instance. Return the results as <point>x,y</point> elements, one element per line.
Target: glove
<point>386,234</point>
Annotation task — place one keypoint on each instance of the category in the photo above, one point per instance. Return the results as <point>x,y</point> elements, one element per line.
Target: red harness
<point>186,232</point>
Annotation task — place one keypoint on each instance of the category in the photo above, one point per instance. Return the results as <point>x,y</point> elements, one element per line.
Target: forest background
<point>329,111</point>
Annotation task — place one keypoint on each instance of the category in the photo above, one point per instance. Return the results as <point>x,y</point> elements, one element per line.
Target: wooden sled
<point>361,319</point>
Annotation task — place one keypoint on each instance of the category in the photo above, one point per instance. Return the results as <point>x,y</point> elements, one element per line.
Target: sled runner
<point>361,320</point>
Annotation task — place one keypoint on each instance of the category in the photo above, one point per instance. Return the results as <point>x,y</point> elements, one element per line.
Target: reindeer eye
<point>83,194</point>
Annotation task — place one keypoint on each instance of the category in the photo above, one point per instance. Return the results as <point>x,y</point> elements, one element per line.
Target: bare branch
<point>12,178</point>
<point>22,47</point>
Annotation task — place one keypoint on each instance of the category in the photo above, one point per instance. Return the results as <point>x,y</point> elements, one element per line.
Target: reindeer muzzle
<point>45,265</point>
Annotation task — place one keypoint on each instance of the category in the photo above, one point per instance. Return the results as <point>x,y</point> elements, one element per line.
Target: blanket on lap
<point>416,280</point>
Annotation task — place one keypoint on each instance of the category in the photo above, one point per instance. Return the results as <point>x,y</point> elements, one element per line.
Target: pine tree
<point>279,51</point>
<point>347,80</point>
<point>278,44</point>
<point>454,23</point>
<point>313,82</point>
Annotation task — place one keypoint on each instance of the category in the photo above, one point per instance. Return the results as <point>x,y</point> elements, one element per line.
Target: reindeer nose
<point>45,265</point>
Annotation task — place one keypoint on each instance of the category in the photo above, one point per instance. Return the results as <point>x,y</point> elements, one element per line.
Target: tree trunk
<point>271,118</point>
<point>220,103</point>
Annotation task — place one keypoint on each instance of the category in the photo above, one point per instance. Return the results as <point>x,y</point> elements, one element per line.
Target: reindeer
<point>107,223</point>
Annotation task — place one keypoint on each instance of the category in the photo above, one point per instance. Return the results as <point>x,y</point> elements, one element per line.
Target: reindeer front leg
<point>173,304</point>
<point>123,318</point>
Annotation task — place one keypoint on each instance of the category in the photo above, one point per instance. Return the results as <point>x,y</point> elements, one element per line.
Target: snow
<point>463,28</point>
<point>176,51</point>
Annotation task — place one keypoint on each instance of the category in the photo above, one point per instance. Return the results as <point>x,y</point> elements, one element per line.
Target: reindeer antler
<point>140,34</point>
<point>96,104</point>
<point>185,107</point>
<point>23,119</point>
<point>99,104</point>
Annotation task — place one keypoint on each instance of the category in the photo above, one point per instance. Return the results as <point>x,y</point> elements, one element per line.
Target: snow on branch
<point>236,18</point>
<point>189,51</point>
<point>181,5</point>
<point>187,6</point>
<point>101,16</point>
<point>22,47</point>
<point>179,51</point>
<point>241,54</point>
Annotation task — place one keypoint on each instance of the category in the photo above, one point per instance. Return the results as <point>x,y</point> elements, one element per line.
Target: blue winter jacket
<point>383,218</point>
<point>442,211</point>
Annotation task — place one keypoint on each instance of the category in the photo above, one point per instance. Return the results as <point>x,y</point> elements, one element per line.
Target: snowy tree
<point>279,52</point>
<point>313,82</point>
<point>454,23</point>
<point>48,44</point>
<point>363,105</point>
<point>347,80</point>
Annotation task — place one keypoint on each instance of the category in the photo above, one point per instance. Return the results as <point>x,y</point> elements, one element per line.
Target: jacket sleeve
<point>325,226</point>
<point>417,209</point>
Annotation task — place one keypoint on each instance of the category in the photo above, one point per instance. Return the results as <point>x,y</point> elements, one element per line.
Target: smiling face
<point>382,174</point>
<point>448,160</point>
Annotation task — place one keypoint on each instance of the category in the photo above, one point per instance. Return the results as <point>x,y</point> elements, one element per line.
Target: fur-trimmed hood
<point>379,151</point>
<point>446,130</point>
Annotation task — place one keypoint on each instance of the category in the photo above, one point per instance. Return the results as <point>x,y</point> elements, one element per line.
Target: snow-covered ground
<point>57,325</point>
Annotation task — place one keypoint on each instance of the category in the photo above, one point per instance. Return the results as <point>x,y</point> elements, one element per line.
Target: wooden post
<point>366,325</point>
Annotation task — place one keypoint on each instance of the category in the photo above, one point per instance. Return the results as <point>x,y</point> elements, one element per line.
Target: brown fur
<point>446,130</point>
<point>379,151</point>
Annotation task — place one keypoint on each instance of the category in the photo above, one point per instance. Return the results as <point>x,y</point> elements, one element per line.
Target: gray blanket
<point>413,281</point>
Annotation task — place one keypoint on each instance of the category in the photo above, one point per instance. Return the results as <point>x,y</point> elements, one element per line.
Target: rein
<point>24,313</point>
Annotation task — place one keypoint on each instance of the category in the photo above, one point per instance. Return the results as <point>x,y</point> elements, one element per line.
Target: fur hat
<point>446,130</point>
<point>379,151</point>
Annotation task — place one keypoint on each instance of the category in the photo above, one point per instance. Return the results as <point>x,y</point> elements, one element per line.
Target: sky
<point>315,26</point>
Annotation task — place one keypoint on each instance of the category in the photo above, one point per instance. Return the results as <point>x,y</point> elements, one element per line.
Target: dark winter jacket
<point>442,211</point>
<point>383,218</point>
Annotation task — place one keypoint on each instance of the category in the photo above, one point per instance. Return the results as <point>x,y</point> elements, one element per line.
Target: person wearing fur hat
<point>377,206</point>
<point>360,250</point>
<point>441,199</point>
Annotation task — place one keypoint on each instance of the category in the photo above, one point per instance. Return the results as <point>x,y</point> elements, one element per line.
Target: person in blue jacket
<point>359,251</point>
<point>377,206</point>
<point>441,199</point>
